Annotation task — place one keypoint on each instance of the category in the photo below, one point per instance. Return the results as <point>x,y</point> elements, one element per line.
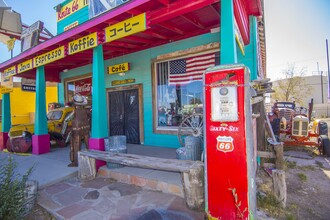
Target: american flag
<point>190,69</point>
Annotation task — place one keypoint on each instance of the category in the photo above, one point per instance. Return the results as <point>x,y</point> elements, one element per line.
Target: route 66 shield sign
<point>225,144</point>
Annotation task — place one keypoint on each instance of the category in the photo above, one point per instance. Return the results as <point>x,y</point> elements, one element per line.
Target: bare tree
<point>293,87</point>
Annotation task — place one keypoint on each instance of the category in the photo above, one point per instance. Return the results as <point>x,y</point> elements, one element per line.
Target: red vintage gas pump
<point>230,190</point>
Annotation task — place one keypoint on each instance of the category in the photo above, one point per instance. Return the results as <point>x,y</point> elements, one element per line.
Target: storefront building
<point>139,62</point>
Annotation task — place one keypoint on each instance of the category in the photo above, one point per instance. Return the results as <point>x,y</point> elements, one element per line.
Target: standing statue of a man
<point>80,128</point>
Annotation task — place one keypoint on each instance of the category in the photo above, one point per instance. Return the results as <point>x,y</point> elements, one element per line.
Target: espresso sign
<point>83,43</point>
<point>49,57</point>
<point>25,66</point>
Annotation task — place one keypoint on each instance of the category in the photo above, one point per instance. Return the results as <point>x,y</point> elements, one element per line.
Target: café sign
<point>119,68</point>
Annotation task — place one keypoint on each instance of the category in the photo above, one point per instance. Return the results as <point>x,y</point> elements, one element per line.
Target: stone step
<point>167,182</point>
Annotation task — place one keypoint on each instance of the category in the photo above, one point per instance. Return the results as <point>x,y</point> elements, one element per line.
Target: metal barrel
<point>115,144</point>
<point>193,147</point>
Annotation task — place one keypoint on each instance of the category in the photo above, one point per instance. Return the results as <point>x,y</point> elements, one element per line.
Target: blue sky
<point>296,31</point>
<point>31,11</point>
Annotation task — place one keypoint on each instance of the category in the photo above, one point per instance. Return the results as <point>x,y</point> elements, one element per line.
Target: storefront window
<point>179,88</point>
<point>82,86</point>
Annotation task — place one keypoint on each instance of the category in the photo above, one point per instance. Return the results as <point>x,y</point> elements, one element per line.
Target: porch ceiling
<point>168,21</point>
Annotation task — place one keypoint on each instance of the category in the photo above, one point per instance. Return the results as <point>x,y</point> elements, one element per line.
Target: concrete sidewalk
<point>65,197</point>
<point>47,168</point>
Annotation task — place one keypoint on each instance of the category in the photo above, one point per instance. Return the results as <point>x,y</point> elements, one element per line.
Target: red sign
<point>225,144</point>
<point>83,86</point>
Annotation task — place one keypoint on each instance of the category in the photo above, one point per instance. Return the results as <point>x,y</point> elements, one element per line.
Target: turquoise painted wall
<point>250,59</point>
<point>80,16</point>
<point>140,64</point>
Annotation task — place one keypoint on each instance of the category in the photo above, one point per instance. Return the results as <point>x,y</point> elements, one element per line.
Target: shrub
<point>12,190</point>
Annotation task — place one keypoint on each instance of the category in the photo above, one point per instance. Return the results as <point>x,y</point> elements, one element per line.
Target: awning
<point>168,21</point>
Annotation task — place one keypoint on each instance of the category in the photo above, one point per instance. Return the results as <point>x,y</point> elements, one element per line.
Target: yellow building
<point>23,104</point>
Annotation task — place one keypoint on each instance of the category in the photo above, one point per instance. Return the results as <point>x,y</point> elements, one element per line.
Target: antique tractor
<point>293,127</point>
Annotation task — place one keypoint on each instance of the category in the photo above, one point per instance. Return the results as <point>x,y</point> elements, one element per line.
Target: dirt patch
<point>39,213</point>
<point>308,189</point>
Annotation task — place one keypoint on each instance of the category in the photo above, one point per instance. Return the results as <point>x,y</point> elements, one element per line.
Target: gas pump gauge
<point>224,103</point>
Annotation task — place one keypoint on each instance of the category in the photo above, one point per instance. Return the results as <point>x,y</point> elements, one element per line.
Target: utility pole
<point>327,49</point>
<point>318,71</point>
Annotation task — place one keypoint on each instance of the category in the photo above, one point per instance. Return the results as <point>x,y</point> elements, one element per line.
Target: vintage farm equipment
<point>297,129</point>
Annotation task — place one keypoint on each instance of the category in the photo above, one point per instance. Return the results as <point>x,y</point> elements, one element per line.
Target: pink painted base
<point>40,144</point>
<point>3,140</point>
<point>97,144</point>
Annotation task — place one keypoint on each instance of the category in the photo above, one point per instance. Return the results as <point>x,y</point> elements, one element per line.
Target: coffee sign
<point>24,66</point>
<point>83,43</point>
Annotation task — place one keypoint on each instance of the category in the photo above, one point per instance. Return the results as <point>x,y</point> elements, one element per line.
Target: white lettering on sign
<point>84,88</point>
<point>224,128</point>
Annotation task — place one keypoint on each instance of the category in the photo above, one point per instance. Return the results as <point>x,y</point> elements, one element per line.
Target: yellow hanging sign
<point>49,57</point>
<point>83,43</point>
<point>119,68</point>
<point>70,8</point>
<point>6,84</point>
<point>11,71</point>
<point>24,66</point>
<point>125,28</point>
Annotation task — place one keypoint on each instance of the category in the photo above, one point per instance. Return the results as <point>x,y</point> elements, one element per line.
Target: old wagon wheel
<point>191,126</point>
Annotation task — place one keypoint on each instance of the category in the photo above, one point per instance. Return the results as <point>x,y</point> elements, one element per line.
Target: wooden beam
<point>134,12</point>
<point>215,11</point>
<point>178,8</point>
<point>193,21</point>
<point>266,154</point>
<point>163,2</point>
<point>156,35</point>
<point>171,28</point>
<point>139,39</point>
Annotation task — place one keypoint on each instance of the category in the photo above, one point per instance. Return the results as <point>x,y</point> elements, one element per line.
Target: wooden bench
<point>192,172</point>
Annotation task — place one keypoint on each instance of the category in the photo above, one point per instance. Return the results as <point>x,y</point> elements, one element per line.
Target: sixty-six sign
<point>122,29</point>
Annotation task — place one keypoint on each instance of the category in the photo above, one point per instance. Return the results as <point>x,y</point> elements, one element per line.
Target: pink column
<point>97,144</point>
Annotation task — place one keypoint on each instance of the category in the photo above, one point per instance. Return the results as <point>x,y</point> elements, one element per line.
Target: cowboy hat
<point>79,100</point>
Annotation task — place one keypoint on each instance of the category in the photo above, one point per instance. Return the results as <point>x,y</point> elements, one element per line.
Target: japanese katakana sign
<point>125,28</point>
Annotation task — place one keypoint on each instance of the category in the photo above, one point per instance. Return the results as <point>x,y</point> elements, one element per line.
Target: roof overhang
<point>168,21</point>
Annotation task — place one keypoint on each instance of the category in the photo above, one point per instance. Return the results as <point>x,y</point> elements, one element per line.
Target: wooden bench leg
<point>193,187</point>
<point>86,167</point>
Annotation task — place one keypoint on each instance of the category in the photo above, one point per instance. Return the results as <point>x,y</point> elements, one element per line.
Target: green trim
<point>227,34</point>
<point>99,112</point>
<point>6,116</point>
<point>40,115</point>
